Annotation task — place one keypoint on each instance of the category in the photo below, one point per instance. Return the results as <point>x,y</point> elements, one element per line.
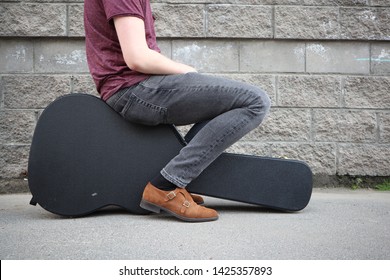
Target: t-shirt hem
<point>125,14</point>
<point>106,94</point>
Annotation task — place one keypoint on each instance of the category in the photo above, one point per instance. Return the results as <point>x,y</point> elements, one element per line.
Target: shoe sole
<point>157,209</point>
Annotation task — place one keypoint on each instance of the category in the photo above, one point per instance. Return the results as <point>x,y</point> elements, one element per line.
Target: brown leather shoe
<point>197,199</point>
<point>178,203</point>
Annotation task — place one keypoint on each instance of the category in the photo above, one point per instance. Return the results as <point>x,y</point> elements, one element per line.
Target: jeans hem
<point>176,181</point>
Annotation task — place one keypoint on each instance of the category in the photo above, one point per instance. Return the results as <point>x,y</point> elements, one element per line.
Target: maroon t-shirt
<point>104,55</point>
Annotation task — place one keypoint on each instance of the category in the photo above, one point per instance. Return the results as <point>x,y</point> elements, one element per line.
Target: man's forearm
<point>153,62</point>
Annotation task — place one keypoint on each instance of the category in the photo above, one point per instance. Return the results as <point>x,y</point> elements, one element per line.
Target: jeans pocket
<point>140,111</point>
<point>119,99</point>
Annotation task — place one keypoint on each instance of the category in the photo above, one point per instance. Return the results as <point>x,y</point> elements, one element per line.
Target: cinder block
<point>26,19</point>
<point>380,58</point>
<point>239,21</point>
<point>365,23</point>
<point>273,2</point>
<point>283,124</point>
<point>309,91</point>
<point>83,84</point>
<point>75,20</point>
<point>13,160</point>
<point>306,22</point>
<point>272,56</point>
<point>367,159</point>
<point>330,3</point>
<point>33,91</point>
<point>60,56</point>
<point>338,57</point>
<point>17,126</point>
<point>179,20</point>
<point>384,127</point>
<point>384,3</point>
<point>345,126</point>
<point>207,55</point>
<point>165,47</point>
<point>321,157</point>
<point>250,148</point>
<point>13,185</point>
<point>367,92</point>
<point>16,56</point>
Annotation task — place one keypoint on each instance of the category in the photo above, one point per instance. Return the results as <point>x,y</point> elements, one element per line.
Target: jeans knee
<point>261,103</point>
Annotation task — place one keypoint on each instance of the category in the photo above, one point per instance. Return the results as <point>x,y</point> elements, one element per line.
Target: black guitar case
<point>85,156</point>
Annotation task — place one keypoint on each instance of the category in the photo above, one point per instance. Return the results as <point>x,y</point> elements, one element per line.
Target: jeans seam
<point>176,180</point>
<point>118,96</point>
<point>220,139</point>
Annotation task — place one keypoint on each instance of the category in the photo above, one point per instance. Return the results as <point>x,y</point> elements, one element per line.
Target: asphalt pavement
<point>337,224</point>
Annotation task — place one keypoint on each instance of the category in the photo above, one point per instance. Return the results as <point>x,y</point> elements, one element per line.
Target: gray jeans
<point>232,108</point>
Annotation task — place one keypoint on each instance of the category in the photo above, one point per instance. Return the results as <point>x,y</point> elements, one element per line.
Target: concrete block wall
<point>325,65</point>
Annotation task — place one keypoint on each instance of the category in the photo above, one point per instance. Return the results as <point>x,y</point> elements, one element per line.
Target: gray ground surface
<point>337,224</point>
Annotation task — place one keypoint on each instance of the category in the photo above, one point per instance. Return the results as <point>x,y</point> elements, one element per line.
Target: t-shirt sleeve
<point>114,8</point>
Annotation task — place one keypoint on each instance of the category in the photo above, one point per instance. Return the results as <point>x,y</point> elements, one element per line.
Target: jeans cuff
<point>176,181</point>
